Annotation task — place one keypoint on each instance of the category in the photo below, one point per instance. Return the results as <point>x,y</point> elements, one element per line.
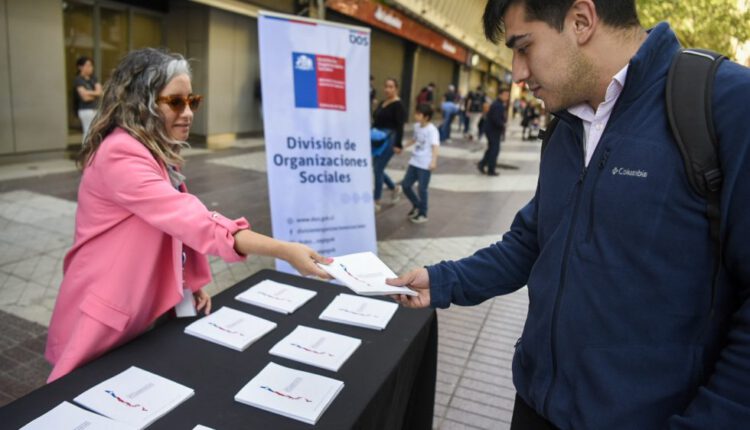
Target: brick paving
<point>21,357</point>
<point>467,211</point>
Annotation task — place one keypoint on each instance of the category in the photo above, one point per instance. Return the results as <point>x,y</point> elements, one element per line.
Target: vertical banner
<point>315,84</point>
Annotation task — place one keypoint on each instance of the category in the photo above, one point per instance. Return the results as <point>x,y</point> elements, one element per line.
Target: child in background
<point>423,162</point>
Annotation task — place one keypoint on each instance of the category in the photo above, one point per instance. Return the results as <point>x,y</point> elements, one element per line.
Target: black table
<point>389,380</point>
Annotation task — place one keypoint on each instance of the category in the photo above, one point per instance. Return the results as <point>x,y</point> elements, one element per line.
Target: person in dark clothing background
<point>390,117</point>
<point>426,95</point>
<point>450,109</point>
<point>636,318</point>
<point>86,93</point>
<point>494,127</point>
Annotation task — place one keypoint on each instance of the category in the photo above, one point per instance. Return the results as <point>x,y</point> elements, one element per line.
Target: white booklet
<point>67,416</point>
<point>276,296</point>
<point>135,397</point>
<point>316,347</point>
<point>365,274</point>
<point>230,328</point>
<point>292,393</point>
<point>359,311</point>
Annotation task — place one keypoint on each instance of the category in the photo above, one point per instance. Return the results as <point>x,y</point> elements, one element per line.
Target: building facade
<point>41,40</point>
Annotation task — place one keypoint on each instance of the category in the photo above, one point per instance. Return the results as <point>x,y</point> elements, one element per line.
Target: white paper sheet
<point>292,393</point>
<point>67,416</point>
<point>276,296</point>
<point>231,328</point>
<point>135,396</point>
<point>315,347</point>
<point>365,274</point>
<point>359,311</point>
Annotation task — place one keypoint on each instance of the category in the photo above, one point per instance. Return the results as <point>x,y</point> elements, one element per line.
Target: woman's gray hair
<point>129,102</point>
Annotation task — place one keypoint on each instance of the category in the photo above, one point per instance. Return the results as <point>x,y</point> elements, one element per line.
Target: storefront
<point>427,55</point>
<point>433,68</point>
<point>105,31</point>
<point>40,42</point>
<point>221,39</point>
<point>387,59</point>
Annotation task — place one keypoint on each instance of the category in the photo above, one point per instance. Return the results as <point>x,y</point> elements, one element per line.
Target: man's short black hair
<point>425,110</point>
<point>614,13</point>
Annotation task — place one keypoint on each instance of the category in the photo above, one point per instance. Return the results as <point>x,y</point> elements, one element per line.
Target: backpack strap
<point>689,98</point>
<point>546,134</point>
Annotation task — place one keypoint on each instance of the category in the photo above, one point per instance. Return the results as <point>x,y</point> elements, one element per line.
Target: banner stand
<point>315,86</point>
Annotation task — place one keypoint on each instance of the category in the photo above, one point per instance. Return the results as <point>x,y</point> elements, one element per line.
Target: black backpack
<point>688,94</point>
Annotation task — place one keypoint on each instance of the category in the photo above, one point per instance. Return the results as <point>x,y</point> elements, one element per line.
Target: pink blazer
<point>125,267</point>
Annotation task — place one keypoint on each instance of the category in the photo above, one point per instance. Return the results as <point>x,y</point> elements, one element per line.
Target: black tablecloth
<point>389,380</point>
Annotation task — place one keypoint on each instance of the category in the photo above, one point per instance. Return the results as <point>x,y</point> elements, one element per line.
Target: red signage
<point>393,21</point>
<point>331,82</point>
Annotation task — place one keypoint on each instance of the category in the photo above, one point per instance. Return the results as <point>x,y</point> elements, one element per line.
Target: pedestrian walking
<point>422,163</point>
<point>495,128</point>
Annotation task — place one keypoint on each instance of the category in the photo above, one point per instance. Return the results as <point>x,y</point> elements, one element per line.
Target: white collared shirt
<point>594,122</point>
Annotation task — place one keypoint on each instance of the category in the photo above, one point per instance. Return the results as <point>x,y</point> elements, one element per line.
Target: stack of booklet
<point>276,296</point>
<point>292,393</point>
<point>68,416</point>
<point>230,328</point>
<point>316,347</point>
<point>359,311</point>
<point>365,274</point>
<point>135,397</point>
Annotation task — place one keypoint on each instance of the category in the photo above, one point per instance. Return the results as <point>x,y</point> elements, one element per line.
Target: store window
<point>146,31</point>
<point>79,41</point>
<point>113,43</point>
<point>104,31</point>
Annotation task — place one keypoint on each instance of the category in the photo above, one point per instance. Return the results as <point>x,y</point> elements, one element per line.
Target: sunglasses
<point>178,103</point>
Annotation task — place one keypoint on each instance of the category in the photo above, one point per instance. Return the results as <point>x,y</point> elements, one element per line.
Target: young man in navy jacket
<point>615,246</point>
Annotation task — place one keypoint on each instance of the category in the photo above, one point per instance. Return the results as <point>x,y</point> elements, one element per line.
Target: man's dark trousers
<point>490,155</point>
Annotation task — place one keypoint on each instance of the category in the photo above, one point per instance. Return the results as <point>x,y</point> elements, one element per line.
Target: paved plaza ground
<point>467,211</point>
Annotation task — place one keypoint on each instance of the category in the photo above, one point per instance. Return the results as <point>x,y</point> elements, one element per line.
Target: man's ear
<point>582,20</point>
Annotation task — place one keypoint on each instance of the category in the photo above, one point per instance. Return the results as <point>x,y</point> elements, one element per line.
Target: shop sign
<point>396,22</point>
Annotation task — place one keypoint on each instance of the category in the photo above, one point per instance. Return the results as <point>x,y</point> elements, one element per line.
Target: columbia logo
<point>621,171</point>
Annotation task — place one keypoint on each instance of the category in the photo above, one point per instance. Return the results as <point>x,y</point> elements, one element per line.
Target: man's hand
<point>419,281</point>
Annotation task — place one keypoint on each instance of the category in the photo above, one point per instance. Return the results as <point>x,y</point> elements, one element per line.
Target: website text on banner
<point>315,84</point>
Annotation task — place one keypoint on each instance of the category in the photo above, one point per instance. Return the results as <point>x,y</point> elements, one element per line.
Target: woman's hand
<point>301,257</point>
<point>304,258</point>
<point>202,300</point>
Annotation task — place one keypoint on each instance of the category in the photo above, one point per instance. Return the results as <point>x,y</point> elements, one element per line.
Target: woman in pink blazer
<point>141,239</point>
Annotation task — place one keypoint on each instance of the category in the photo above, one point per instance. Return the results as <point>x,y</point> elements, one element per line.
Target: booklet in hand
<point>276,296</point>
<point>135,397</point>
<point>315,347</point>
<point>365,274</point>
<point>359,311</point>
<point>292,393</point>
<point>231,328</point>
<point>69,416</point>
